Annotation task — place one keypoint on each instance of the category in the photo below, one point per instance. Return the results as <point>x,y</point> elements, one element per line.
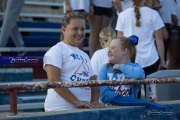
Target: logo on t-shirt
<point>82,72</point>
<point>124,90</point>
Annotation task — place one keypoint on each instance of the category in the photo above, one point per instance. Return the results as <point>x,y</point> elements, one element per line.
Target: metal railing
<point>12,88</point>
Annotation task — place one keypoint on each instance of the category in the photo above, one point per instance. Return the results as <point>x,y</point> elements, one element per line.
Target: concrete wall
<point>172,112</point>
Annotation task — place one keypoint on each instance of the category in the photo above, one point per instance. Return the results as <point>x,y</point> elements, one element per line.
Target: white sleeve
<point>158,22</point>
<point>95,63</point>
<point>119,25</point>
<point>53,57</point>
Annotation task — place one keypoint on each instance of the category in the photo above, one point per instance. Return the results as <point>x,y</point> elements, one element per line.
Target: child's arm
<point>53,74</point>
<point>105,93</point>
<point>95,95</point>
<point>132,72</point>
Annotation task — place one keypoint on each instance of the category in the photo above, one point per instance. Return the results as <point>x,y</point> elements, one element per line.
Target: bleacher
<point>39,23</point>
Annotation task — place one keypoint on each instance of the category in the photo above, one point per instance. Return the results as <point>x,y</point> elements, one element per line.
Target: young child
<point>121,66</point>
<point>122,53</point>
<point>100,57</point>
<point>66,62</point>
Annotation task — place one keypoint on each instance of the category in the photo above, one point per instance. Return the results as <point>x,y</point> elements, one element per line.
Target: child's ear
<point>125,50</point>
<point>63,29</point>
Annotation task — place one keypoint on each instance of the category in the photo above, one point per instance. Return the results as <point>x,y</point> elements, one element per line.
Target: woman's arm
<point>91,8</point>
<point>133,72</point>
<point>53,74</point>
<point>117,5</point>
<point>160,46</point>
<point>174,19</point>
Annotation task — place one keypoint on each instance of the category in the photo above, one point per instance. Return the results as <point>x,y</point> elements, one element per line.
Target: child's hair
<point>68,17</point>
<point>136,11</point>
<point>107,34</point>
<point>125,43</point>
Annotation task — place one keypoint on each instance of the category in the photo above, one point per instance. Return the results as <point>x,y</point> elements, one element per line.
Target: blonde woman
<point>100,57</point>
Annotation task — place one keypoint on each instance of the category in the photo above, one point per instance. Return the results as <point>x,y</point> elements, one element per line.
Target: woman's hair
<point>126,43</point>
<point>106,35</point>
<point>136,11</point>
<point>67,19</point>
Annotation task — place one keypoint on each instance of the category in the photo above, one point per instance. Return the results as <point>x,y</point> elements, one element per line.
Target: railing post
<point>13,102</point>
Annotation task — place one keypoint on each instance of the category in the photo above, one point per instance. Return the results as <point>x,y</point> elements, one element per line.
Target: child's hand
<point>97,104</point>
<point>115,67</point>
<point>82,104</point>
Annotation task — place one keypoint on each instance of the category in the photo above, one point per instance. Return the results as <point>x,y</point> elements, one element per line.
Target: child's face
<point>115,52</point>
<point>74,32</point>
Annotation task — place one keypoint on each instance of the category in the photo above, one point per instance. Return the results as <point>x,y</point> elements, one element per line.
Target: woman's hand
<point>162,66</point>
<point>82,104</point>
<point>97,104</point>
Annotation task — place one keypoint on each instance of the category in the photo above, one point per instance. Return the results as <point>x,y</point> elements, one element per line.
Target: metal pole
<point>13,102</point>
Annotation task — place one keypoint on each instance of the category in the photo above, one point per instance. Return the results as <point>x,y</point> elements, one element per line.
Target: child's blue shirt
<point>126,71</point>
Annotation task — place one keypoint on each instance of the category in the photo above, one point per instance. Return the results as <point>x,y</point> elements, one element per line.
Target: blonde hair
<point>67,19</point>
<point>106,35</point>
<point>136,11</point>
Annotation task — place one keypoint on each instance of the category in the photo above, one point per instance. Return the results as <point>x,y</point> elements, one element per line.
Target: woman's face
<point>74,32</point>
<point>115,52</point>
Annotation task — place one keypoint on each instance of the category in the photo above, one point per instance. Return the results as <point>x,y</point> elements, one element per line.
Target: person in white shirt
<point>121,5</point>
<point>174,45</point>
<point>97,21</point>
<point>100,57</point>
<point>84,7</point>
<point>66,62</point>
<point>145,23</point>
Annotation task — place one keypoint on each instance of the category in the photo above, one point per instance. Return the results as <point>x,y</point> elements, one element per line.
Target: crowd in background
<point>103,14</point>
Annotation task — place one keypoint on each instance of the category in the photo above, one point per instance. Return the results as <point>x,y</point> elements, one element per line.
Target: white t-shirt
<point>103,3</point>
<point>75,65</point>
<point>78,5</point>
<point>165,11</point>
<point>175,9</point>
<point>150,21</point>
<point>99,58</point>
<point>126,4</point>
